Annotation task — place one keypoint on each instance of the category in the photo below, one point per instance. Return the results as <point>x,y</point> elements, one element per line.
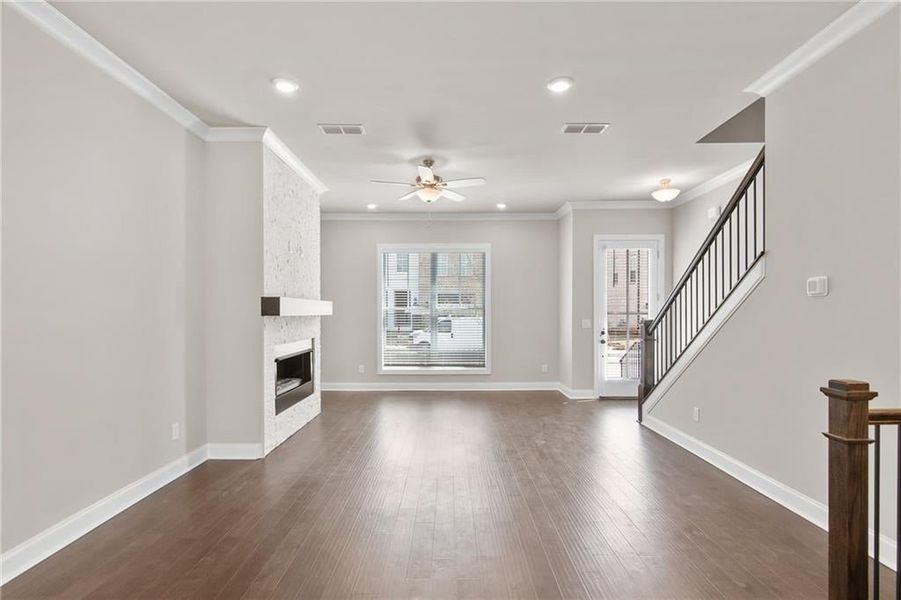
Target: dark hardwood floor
<point>449,495</point>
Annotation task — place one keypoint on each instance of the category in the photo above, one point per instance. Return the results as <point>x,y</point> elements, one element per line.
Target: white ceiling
<point>464,83</point>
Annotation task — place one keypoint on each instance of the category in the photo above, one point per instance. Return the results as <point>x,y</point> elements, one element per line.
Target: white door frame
<point>658,271</point>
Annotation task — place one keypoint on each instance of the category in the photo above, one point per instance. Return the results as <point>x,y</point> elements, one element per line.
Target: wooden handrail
<point>708,241</point>
<point>849,418</point>
<point>885,416</point>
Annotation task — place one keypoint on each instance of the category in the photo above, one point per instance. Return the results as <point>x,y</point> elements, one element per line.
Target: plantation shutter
<point>433,309</point>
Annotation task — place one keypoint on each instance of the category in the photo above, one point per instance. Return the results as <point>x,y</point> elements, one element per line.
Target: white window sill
<point>434,371</point>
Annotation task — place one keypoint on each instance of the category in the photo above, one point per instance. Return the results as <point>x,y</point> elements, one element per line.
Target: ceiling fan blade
<point>461,183</point>
<point>425,174</point>
<point>403,183</point>
<point>409,195</point>
<point>451,195</point>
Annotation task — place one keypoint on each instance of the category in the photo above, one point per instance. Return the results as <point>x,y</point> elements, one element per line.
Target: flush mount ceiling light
<point>558,85</point>
<point>501,206</point>
<point>285,86</point>
<point>665,193</point>
<point>372,206</point>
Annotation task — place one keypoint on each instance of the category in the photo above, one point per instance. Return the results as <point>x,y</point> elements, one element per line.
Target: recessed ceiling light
<point>285,86</point>
<point>502,206</point>
<point>558,85</point>
<point>372,206</point>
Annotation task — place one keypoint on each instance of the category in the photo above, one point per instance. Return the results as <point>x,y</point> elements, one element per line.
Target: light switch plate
<point>695,414</point>
<point>586,323</point>
<point>713,212</point>
<point>818,286</point>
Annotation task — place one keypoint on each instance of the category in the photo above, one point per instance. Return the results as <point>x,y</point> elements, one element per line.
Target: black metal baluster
<point>755,217</point>
<point>897,508</point>
<point>745,199</point>
<point>876,447</point>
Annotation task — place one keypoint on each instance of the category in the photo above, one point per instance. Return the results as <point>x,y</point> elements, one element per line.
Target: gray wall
<point>691,224</point>
<point>524,296</point>
<point>832,209</point>
<point>101,295</point>
<point>234,282</point>
<point>587,223</point>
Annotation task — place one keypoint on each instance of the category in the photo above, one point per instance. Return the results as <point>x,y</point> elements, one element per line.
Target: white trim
<point>655,241</point>
<point>267,137</point>
<point>849,23</point>
<point>239,451</point>
<point>440,386</point>
<point>49,19</point>
<point>576,394</point>
<point>425,248</point>
<point>802,505</point>
<point>32,551</point>
<point>707,333</point>
<point>81,42</point>
<point>713,183</point>
<point>426,216</point>
<point>280,149</point>
<point>568,207</point>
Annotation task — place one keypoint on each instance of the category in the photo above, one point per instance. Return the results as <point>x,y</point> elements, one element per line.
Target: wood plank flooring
<point>449,495</point>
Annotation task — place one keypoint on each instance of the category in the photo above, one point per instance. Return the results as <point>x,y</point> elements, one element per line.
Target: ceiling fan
<point>429,187</point>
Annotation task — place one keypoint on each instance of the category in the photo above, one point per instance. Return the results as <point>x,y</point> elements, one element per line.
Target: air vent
<point>342,128</point>
<point>586,128</point>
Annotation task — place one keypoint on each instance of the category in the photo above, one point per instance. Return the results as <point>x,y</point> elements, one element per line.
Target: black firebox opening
<point>293,379</point>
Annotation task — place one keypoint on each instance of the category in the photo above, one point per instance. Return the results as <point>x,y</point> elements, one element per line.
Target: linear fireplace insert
<point>293,379</point>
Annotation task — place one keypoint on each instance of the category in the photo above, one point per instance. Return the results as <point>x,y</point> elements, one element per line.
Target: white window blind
<point>433,308</point>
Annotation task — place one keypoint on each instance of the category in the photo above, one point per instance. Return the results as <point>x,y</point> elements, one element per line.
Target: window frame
<point>381,250</point>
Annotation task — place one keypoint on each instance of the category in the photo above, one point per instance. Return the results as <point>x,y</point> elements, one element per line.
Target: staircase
<point>730,252</point>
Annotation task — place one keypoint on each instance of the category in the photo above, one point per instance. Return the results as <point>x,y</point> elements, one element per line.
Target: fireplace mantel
<point>283,306</point>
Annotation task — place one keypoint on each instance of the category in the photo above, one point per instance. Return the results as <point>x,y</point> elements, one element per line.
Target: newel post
<point>646,370</point>
<point>848,481</point>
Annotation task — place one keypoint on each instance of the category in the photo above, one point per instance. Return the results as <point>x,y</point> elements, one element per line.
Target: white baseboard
<point>726,310</point>
<point>804,506</point>
<point>32,551</point>
<point>56,537</point>
<point>234,451</point>
<point>437,386</point>
<point>576,394</point>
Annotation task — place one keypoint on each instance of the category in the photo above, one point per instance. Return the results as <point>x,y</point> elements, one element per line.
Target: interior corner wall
<point>102,284</point>
<point>233,201</point>
<point>832,185</point>
<point>586,224</point>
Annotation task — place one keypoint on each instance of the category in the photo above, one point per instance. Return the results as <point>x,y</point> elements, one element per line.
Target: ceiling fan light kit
<point>429,187</point>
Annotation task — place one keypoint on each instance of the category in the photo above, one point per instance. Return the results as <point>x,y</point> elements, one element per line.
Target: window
<point>434,314</point>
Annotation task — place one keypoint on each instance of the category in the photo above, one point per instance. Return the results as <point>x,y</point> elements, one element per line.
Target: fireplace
<point>293,378</point>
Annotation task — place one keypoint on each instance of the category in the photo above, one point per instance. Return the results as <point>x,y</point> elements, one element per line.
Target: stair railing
<point>735,244</point>
<point>850,418</point>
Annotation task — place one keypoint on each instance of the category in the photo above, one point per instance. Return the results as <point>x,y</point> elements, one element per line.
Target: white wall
<point>524,296</point>
<point>832,209</point>
<point>101,295</point>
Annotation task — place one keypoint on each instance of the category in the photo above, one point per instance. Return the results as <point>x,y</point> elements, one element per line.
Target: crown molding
<point>569,207</point>
<point>408,216</point>
<point>60,27</point>
<point>830,37</point>
<point>81,42</point>
<point>713,183</point>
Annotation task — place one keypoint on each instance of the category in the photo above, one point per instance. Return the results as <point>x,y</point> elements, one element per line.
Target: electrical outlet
<point>361,368</point>
<point>176,431</point>
<point>544,368</point>
<point>696,414</point>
